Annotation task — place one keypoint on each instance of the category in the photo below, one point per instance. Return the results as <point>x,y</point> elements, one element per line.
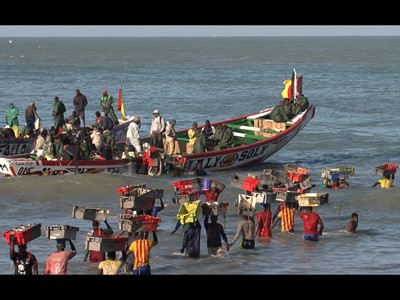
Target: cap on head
<point>155,111</point>
<point>104,92</point>
<point>103,114</point>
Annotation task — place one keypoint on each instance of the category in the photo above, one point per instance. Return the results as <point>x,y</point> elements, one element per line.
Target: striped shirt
<point>287,219</point>
<point>141,250</point>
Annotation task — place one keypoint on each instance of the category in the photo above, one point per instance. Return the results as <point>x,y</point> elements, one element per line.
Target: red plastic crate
<point>296,177</point>
<point>150,223</point>
<point>23,234</point>
<point>250,184</point>
<point>386,169</point>
<point>183,184</point>
<point>276,189</point>
<point>126,189</point>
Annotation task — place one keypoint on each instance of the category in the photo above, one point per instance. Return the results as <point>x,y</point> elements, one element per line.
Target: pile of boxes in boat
<point>270,185</point>
<point>337,178</point>
<point>187,194</point>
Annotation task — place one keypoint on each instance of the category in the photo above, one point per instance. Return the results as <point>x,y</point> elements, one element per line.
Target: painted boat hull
<point>250,153</point>
<point>13,167</point>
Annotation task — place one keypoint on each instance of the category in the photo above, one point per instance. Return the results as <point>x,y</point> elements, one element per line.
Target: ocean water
<point>353,81</point>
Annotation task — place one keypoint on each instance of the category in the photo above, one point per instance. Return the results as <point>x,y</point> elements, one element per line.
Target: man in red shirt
<point>311,220</point>
<point>263,228</point>
<point>97,256</point>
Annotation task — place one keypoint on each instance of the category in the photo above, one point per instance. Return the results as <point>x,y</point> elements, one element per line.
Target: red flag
<point>121,103</point>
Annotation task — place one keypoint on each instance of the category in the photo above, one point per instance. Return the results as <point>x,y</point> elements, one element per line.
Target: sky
<point>196,30</point>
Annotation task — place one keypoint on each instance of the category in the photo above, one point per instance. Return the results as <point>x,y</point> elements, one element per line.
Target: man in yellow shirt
<point>110,266</point>
<point>385,182</point>
<point>286,215</point>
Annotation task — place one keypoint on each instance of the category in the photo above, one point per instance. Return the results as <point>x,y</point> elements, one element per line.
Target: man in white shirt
<point>133,137</point>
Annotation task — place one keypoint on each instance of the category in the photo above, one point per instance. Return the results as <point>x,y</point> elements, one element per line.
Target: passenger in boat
<point>106,102</point>
<point>208,130</point>
<point>98,119</point>
<point>311,222</point>
<point>200,144</point>
<point>31,117</point>
<point>7,132</point>
<point>58,114</point>
<point>133,137</point>
<point>246,228</point>
<point>39,142</point>
<point>263,217</point>
<point>84,143</point>
<point>25,263</point>
<point>108,123</point>
<point>170,137</point>
<point>385,182</point>
<point>48,147</point>
<point>224,139</point>
<point>193,132</point>
<point>157,129</point>
<point>80,102</point>
<point>97,231</point>
<point>96,137</point>
<point>286,216</point>
<point>108,144</point>
<point>57,262</point>
<point>353,223</point>
<point>12,118</point>
<point>73,122</point>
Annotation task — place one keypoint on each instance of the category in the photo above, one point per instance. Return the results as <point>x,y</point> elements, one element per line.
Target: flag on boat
<point>121,106</point>
<point>293,87</point>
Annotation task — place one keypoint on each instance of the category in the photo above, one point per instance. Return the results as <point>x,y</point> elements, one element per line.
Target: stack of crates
<point>140,199</point>
<point>386,169</point>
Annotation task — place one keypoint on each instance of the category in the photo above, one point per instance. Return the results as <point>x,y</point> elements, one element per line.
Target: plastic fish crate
<point>90,213</point>
<point>54,232</point>
<point>386,169</point>
<point>246,204</point>
<point>264,197</point>
<point>23,233</point>
<point>106,243</point>
<point>142,200</point>
<point>312,199</point>
<point>189,212</point>
<point>123,190</point>
<point>286,196</point>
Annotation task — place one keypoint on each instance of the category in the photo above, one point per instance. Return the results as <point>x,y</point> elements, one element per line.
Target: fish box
<point>90,213</point>
<point>264,198</point>
<point>138,223</point>
<point>106,243</point>
<point>54,232</point>
<point>131,202</point>
<point>296,169</point>
<point>287,196</point>
<point>188,184</point>
<point>23,233</point>
<point>312,199</point>
<point>189,212</point>
<point>126,189</point>
<point>182,198</point>
<point>386,169</point>
<point>246,204</point>
<point>212,207</point>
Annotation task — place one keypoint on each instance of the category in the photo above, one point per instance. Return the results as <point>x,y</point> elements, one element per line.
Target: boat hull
<point>12,167</point>
<point>250,153</point>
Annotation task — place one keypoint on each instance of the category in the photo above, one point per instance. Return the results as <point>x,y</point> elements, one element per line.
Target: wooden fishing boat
<point>12,167</point>
<point>16,146</point>
<point>256,137</point>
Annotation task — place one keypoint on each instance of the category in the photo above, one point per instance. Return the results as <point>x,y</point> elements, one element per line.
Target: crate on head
<point>246,204</point>
<point>123,190</point>
<point>286,196</point>
<point>189,212</point>
<point>139,199</point>
<point>312,199</point>
<point>264,197</point>
<point>106,243</point>
<point>55,232</point>
<point>23,233</point>
<point>386,169</point>
<point>90,213</point>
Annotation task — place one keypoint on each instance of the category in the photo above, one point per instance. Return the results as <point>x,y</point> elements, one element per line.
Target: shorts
<point>247,244</point>
<point>142,270</point>
<point>310,237</point>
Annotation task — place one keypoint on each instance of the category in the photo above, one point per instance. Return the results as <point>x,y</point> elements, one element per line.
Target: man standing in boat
<point>156,130</point>
<point>106,102</point>
<point>80,102</point>
<point>58,114</point>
